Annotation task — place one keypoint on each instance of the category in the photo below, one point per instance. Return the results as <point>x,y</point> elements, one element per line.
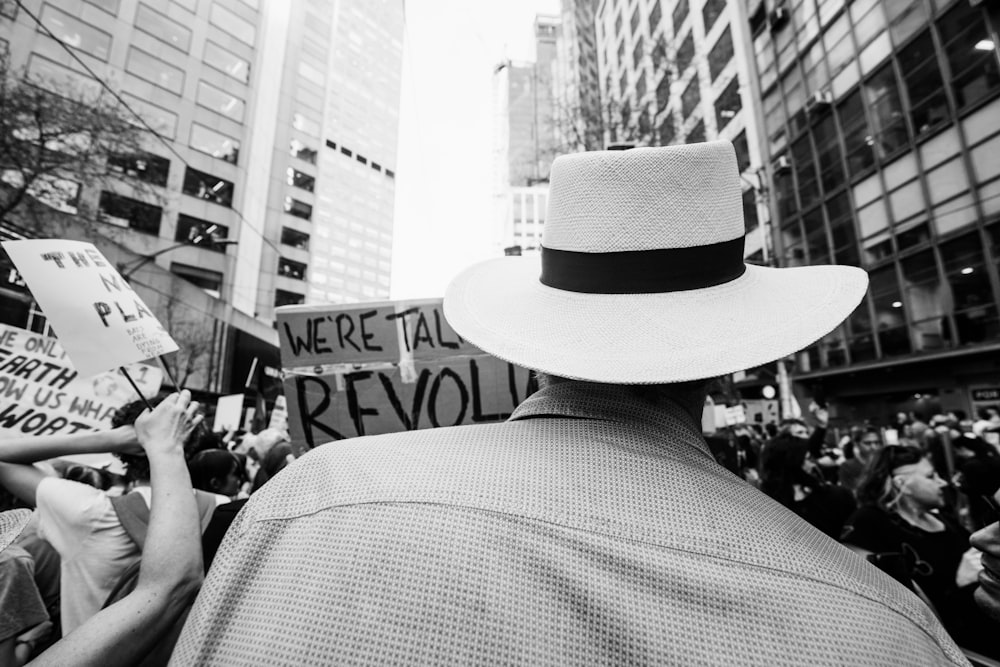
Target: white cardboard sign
<point>100,321</point>
<point>228,411</point>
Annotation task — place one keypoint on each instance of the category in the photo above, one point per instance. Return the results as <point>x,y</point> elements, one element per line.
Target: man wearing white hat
<point>593,526</point>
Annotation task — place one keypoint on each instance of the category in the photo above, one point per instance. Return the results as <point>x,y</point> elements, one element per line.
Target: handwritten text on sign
<point>368,369</point>
<point>101,322</point>
<point>41,394</point>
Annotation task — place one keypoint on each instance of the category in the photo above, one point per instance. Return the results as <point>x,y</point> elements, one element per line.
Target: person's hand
<point>987,540</point>
<point>125,440</point>
<point>169,424</point>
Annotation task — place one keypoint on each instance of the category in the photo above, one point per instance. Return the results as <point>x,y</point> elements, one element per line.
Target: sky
<point>444,177</point>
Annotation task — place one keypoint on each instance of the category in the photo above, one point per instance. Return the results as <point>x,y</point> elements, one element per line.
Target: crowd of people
<point>909,505</point>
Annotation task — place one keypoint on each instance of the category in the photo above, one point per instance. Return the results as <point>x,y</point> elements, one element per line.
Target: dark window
<point>973,68</point>
<point>805,172</point>
<point>750,211</point>
<point>659,52</point>
<point>792,244</point>
<point>200,232</point>
<point>361,158</point>
<point>728,104</point>
<point>685,54</point>
<point>925,299</point>
<point>845,244</point>
<point>298,149</point>
<point>663,91</point>
<point>691,97</point>
<point>640,85</point>
<point>300,180</point>
<point>828,153</point>
<point>621,52</point>
<point>634,22</point>
<point>654,16</point>
<point>922,80</point>
<point>131,213</point>
<point>346,151</point>
<point>742,152</point>
<point>965,270</point>
<point>145,167</point>
<point>887,112</point>
<point>331,144</point>
<point>668,130</point>
<point>286,298</point>
<point>618,24</point>
<point>711,11</point>
<point>857,137</point>
<point>645,125</point>
<point>390,173</point>
<point>697,133</point>
<point>816,243</point>
<point>784,191</point>
<point>889,311</point>
<point>291,269</point>
<point>210,281</point>
<point>637,52</point>
<point>913,236</point>
<point>862,342</point>
<point>205,186</point>
<point>295,238</point>
<point>298,209</point>
<point>680,13</point>
<point>721,54</point>
<point>623,83</point>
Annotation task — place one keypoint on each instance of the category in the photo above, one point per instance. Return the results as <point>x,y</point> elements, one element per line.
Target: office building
<point>882,149</point>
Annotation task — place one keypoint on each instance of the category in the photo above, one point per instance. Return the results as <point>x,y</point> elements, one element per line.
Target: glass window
<point>206,186</point>
<point>924,87</point>
<point>814,66</point>
<point>805,172</point>
<point>162,28</point>
<point>973,69</point>
<point>200,232</point>
<point>839,47</point>
<point>74,32</point>
<point>887,112</point>
<point>215,144</point>
<point>298,209</point>
<point>721,54</point>
<point>298,149</point>
<point>869,21</point>
<point>637,52</point>
<point>793,245</point>
<point>691,97</point>
<point>889,311</point>
<point>750,221</point>
<point>229,63</point>
<point>659,52</point>
<point>291,269</point>
<point>220,101</point>
<point>210,281</point>
<point>711,11</point>
<point>286,298</point>
<point>679,14</point>
<point>742,152</point>
<point>845,244</point>
<point>926,295</point>
<point>947,181</point>
<point>154,70</point>
<point>305,124</point>
<point>229,22</point>
<point>110,6</point>
<point>145,167</point>
<point>300,180</point>
<point>654,16</point>
<point>784,190</point>
<point>907,20</point>
<point>127,212</point>
<point>857,137</point>
<point>795,99</point>
<point>663,92</point>
<point>667,130</point>
<point>816,242</point>
<point>728,104</point>
<point>862,343</point>
<point>697,133</point>
<point>965,270</point>
<point>685,54</point>
<point>634,22</point>
<point>640,88</point>
<point>828,152</point>
<point>294,238</point>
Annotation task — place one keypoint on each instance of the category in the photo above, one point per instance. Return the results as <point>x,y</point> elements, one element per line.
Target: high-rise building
<point>670,73</point>
<point>577,91</point>
<point>883,151</point>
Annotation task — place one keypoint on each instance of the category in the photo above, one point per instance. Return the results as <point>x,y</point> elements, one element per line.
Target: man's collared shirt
<point>590,528</point>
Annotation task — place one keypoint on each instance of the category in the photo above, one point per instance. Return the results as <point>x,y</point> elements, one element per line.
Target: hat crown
<point>645,199</point>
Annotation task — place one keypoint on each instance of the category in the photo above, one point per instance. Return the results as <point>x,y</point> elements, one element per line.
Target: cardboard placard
<point>228,412</point>
<point>41,393</point>
<point>424,376</point>
<point>101,322</point>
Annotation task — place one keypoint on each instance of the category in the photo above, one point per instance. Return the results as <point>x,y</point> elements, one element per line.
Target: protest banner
<point>42,394</point>
<point>228,412</point>
<point>100,321</point>
<point>368,369</point>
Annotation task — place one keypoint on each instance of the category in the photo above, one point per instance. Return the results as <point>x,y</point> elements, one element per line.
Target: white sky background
<point>444,181</point>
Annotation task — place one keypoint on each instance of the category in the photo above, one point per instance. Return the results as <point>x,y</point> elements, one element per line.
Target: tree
<point>194,342</point>
<point>58,138</point>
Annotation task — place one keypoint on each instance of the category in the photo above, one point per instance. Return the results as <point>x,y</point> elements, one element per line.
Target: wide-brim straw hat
<point>12,522</point>
<point>641,277</point>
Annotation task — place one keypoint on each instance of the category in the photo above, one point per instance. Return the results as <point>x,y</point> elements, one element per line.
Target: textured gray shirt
<point>590,528</point>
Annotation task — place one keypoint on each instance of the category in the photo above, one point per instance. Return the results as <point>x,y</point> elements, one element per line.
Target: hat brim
<point>12,522</point>
<point>765,314</point>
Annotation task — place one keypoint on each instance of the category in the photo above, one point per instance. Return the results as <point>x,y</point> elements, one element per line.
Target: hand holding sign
<point>101,322</point>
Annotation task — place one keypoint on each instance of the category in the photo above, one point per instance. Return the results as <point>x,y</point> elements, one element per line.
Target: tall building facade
<point>673,72</point>
<point>577,91</point>
<point>277,126</point>
<point>883,151</point>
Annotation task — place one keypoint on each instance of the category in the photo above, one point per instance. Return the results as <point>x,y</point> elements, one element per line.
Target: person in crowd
<point>977,474</point>
<point>867,442</point>
<point>789,475</point>
<point>97,536</point>
<point>217,471</point>
<point>900,498</point>
<point>21,606</point>
<point>87,475</point>
<point>987,540</point>
<point>593,526</point>
<point>171,571</point>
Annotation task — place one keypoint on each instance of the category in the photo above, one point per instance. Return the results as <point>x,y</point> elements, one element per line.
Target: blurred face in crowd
<point>920,483</point>
<point>798,431</point>
<point>868,445</point>
<point>230,484</point>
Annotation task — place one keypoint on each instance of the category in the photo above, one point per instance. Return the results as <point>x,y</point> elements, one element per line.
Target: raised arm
<point>171,569</point>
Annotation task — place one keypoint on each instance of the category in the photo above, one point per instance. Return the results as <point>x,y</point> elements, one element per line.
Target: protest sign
<point>279,414</point>
<point>41,393</point>
<point>228,412</point>
<point>101,322</point>
<point>424,375</point>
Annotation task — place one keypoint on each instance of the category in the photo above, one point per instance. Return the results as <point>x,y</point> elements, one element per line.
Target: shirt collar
<point>614,403</point>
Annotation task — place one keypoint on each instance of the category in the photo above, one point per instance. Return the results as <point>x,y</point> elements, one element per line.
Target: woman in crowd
<point>789,476</point>
<point>900,497</point>
<point>217,471</point>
